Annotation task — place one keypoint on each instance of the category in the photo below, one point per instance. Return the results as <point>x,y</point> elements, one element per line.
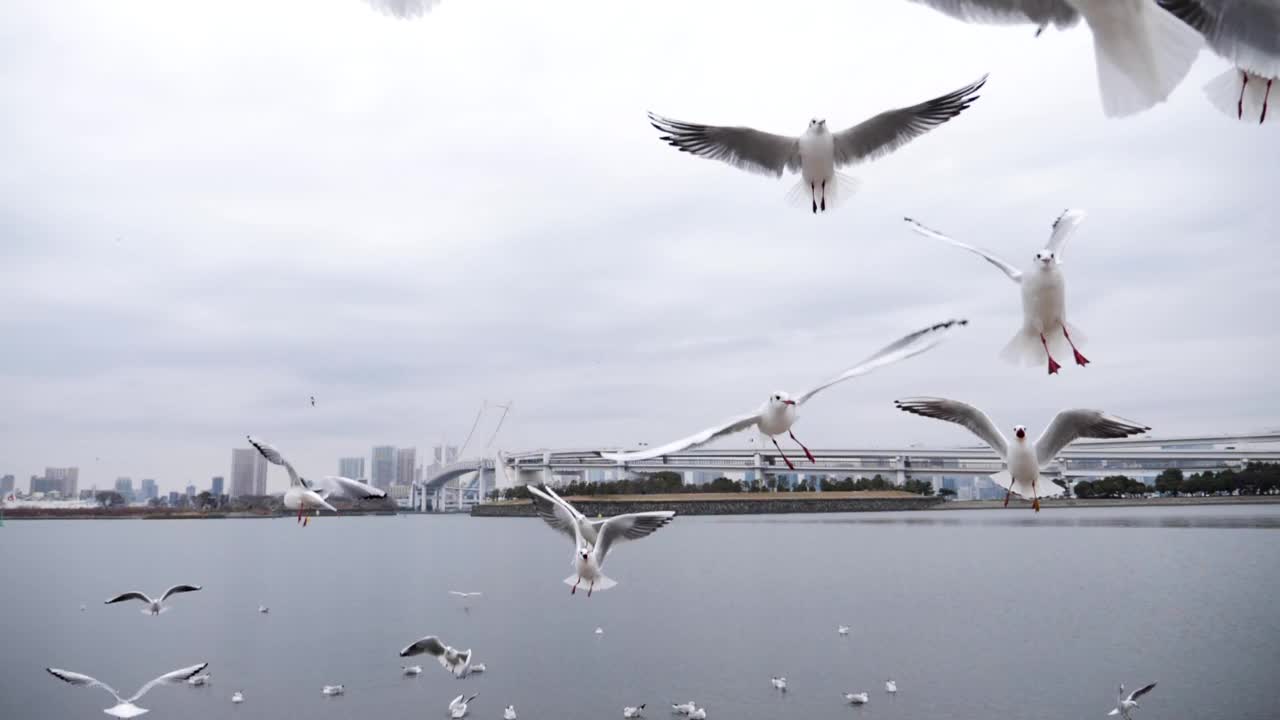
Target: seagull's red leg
<point>299,513</point>
<point>1244,83</point>
<point>1265,97</point>
<point>785,459</point>
<point>802,447</point>
<point>824,196</point>
<point>574,589</point>
<point>813,196</point>
<point>1035,504</point>
<point>1054,367</point>
<point>591,587</point>
<point>1008,493</point>
<point>1080,359</point>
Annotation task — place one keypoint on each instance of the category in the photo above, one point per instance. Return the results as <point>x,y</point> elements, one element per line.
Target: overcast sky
<point>211,211</point>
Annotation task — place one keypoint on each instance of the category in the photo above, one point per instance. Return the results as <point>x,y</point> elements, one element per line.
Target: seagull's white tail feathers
<point>602,583</point>
<point>1114,711</point>
<point>1024,349</point>
<point>1242,95</point>
<point>1142,52</point>
<point>1003,479</point>
<point>845,187</point>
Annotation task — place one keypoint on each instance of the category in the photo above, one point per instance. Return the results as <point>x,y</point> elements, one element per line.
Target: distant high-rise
<point>149,491</point>
<point>445,454</point>
<point>6,484</point>
<point>65,479</point>
<point>124,486</point>
<point>191,491</point>
<point>44,485</point>
<point>248,472</point>
<point>406,460</point>
<point>382,470</point>
<point>352,467</point>
<point>215,486</point>
<point>174,498</point>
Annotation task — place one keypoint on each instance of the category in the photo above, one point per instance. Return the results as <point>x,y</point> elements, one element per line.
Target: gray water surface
<point>976,614</point>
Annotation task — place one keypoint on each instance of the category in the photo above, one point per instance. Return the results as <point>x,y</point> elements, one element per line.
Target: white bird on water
<point>1248,35</point>
<point>455,661</point>
<point>843,629</point>
<point>304,494</point>
<point>237,697</point>
<point>684,708</point>
<point>264,610</point>
<point>818,152</point>
<point>857,698</point>
<point>698,714</point>
<point>478,668</point>
<point>199,680</point>
<point>633,712</point>
<point>333,690</point>
<point>411,670</point>
<point>1022,459</point>
<point>779,412</point>
<point>779,683</point>
<point>890,686</point>
<point>509,713</point>
<point>1142,52</point>
<point>154,606</point>
<point>124,707</point>
<point>599,631</point>
<point>458,706</point>
<point>1126,704</point>
<point>592,540</point>
<point>1044,313</point>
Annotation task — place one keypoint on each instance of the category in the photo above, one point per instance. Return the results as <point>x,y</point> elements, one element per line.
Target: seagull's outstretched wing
<point>274,457</point>
<point>178,589</point>
<point>555,512</point>
<point>464,594</point>
<point>79,680</point>
<point>742,147</point>
<point>429,645</point>
<point>1246,32</point>
<point>404,9</point>
<point>1071,424</point>
<point>1058,13</point>
<point>169,678</point>
<point>1141,691</point>
<point>632,526</point>
<point>131,595</point>
<point>1063,227</point>
<point>346,486</point>
<point>892,129</point>
<point>733,425</point>
<point>900,349</point>
<point>1014,273</point>
<point>960,413</point>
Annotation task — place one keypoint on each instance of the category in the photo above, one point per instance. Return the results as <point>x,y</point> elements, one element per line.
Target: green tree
<point>109,498</point>
<point>1169,482</point>
<point>946,493</point>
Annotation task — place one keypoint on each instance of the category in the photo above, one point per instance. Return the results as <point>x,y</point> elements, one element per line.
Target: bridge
<point>466,482</point>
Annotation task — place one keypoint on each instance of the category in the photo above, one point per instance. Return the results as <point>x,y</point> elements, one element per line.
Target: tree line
<point>1252,479</point>
<point>672,483</point>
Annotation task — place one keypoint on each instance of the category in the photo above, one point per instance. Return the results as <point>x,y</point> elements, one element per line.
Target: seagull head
<point>780,400</point>
<point>817,125</point>
<point>1020,431</point>
<point>1045,258</point>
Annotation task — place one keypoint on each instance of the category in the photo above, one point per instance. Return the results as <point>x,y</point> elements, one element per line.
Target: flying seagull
<point>1044,313</point>
<point>154,606</point>
<point>1246,33</point>
<point>633,712</point>
<point>1142,53</point>
<point>1125,704</point>
<point>403,9</point>
<point>779,412</point>
<point>124,707</point>
<point>589,554</point>
<point>1023,459</point>
<point>818,152</point>
<point>509,713</point>
<point>304,494</point>
<point>455,661</point>
<point>458,706</point>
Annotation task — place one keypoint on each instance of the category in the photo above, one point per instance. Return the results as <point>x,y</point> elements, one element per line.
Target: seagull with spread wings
<point>1142,52</point>
<point>455,661</point>
<point>124,707</point>
<point>304,494</point>
<point>818,152</point>
<point>1125,704</point>
<point>1044,303</point>
<point>1247,33</point>
<point>1022,459</point>
<point>592,539</point>
<point>154,606</point>
<point>779,412</point>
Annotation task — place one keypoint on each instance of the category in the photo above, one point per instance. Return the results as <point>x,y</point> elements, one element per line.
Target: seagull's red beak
<point>788,402</point>
<point>1022,433</point>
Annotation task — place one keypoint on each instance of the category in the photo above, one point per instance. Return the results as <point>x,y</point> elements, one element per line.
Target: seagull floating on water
<point>304,494</point>
<point>890,686</point>
<point>633,712</point>
<point>237,697</point>
<point>1043,295</point>
<point>698,714</point>
<point>1022,459</point>
<point>1124,705</point>
<point>124,707</point>
<point>843,629</point>
<point>411,670</point>
<point>818,152</point>
<point>857,698</point>
<point>458,707</point>
<point>333,690</point>
<point>478,668</point>
<point>154,606</point>
<point>779,683</point>
<point>1142,52</point>
<point>199,680</point>
<point>684,708</point>
<point>263,609</point>
<point>779,412</point>
<point>1248,35</point>
<point>455,661</point>
<point>509,713</point>
<point>593,538</point>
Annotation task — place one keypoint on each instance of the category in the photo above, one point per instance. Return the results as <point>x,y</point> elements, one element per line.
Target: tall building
<point>215,486</point>
<point>44,485</point>
<point>6,484</point>
<point>444,454</point>
<point>248,472</point>
<point>382,470</point>
<point>124,486</point>
<point>149,491</point>
<point>352,467</point>
<point>406,461</point>
<point>66,479</point>
<point>191,491</point>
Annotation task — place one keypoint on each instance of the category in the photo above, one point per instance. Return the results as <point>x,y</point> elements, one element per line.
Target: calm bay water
<point>976,614</point>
